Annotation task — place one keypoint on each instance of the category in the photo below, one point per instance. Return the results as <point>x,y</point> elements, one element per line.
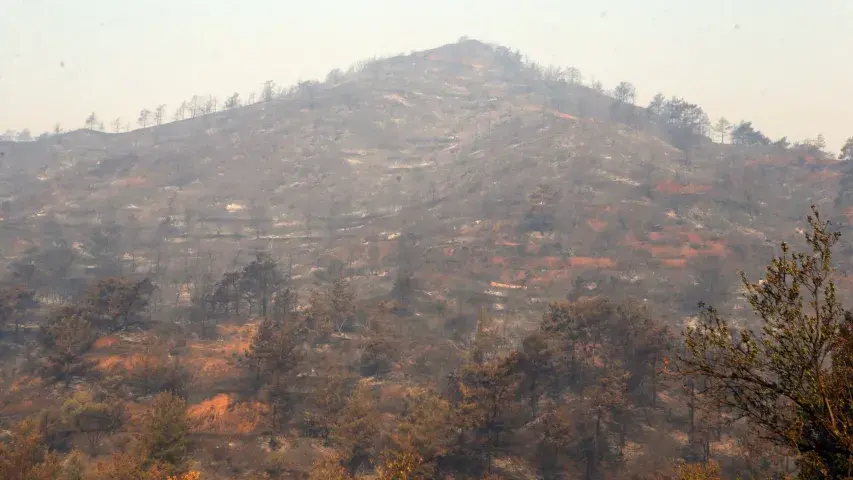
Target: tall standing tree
<point>113,303</point>
<point>782,143</point>
<point>820,142</point>
<point>117,125</point>
<point>181,111</point>
<point>342,304</point>
<point>622,109</point>
<point>66,337</point>
<point>25,135</point>
<point>159,113</point>
<point>722,128</point>
<point>57,129</point>
<point>259,281</point>
<point>143,117</point>
<point>273,357</point>
<point>357,429</point>
<point>194,106</point>
<point>233,101</point>
<point>596,85</point>
<point>625,92</point>
<point>685,123</point>
<point>92,416</point>
<point>268,91</point>
<point>790,374</point>
<point>334,76</point>
<point>745,134</point>
<point>165,428</point>
<point>573,75</point>
<point>91,121</point>
<point>14,303</point>
<point>847,151</point>
<point>210,105</point>
<point>603,397</point>
<point>656,105</point>
<point>488,405</point>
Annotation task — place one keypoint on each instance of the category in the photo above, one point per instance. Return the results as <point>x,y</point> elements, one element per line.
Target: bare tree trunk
<point>654,381</point>
<point>691,403</point>
<point>596,449</point>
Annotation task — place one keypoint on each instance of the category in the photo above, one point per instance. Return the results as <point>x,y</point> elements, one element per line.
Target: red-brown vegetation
<point>678,189</point>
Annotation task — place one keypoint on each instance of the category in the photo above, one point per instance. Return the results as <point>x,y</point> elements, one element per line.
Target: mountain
<point>486,185</point>
<point>448,146</point>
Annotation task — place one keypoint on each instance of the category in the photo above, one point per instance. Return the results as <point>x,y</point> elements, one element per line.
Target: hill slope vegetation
<point>449,263</point>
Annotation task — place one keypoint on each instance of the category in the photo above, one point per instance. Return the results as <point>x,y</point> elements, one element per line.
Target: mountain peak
<point>464,50</point>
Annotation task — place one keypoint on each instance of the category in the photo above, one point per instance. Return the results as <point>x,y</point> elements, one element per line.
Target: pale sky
<point>784,64</point>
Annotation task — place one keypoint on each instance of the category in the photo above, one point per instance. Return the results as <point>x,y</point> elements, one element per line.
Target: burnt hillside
<point>448,146</point>
<point>452,255</point>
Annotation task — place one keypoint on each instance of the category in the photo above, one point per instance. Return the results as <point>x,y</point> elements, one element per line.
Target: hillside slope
<point>448,145</point>
<point>459,173</point>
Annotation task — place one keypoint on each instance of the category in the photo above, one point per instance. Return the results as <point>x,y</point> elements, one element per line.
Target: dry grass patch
<point>221,414</point>
<point>105,342</point>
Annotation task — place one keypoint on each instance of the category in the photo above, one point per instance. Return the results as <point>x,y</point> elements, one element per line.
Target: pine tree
<point>790,375</point>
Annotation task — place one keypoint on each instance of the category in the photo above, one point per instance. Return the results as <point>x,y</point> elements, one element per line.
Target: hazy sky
<point>784,64</point>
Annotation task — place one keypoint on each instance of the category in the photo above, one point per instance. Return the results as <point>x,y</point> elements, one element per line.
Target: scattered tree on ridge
<point>744,134</point>
<point>91,121</point>
<point>159,113</point>
<point>143,117</point>
<point>233,101</point>
<point>722,128</point>
<point>625,92</point>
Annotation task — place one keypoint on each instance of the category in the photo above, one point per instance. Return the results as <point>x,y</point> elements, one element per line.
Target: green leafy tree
<point>790,375</point>
<point>356,429</point>
<point>93,417</point>
<point>165,428</point>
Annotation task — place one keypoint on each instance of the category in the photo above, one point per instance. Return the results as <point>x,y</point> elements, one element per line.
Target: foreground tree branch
<point>789,374</point>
